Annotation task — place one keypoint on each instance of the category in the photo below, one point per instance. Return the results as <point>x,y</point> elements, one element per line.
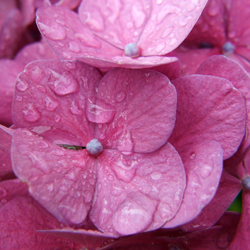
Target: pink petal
<point>169,24</point>
<point>238,28</point>
<point>243,52</point>
<point>62,180</point>
<point>35,51</point>
<point>241,60</point>
<point>88,238</point>
<point>11,33</point>
<point>10,189</point>
<point>203,165</point>
<point>209,108</point>
<point>62,89</point>
<point>9,71</point>
<point>68,37</point>
<point>6,7</point>
<point>135,97</point>
<point>241,239</point>
<point>19,221</point>
<point>138,192</point>
<point>226,68</point>
<point>28,11</point>
<point>227,191</point>
<point>211,26</point>
<point>71,4</point>
<point>191,59</point>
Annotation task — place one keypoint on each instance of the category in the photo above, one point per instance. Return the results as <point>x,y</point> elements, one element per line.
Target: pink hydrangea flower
<point>138,176</point>
<point>132,34</point>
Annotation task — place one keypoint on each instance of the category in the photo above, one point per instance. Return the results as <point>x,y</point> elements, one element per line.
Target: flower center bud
<point>228,47</point>
<point>94,147</point>
<point>246,183</point>
<point>132,50</point>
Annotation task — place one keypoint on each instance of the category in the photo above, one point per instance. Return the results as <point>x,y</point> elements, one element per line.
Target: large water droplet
<point>22,85</point>
<point>120,96</point>
<point>64,83</point>
<point>74,47</point>
<point>3,192</point>
<point>206,170</point>
<point>160,47</point>
<point>74,109</point>
<point>31,114</point>
<point>51,105</point>
<point>57,118</point>
<point>54,32</point>
<point>19,98</point>
<point>36,74</point>
<point>98,111</point>
<point>125,143</point>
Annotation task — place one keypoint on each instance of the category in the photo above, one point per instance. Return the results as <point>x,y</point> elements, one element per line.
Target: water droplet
<point>131,50</point>
<point>192,156</point>
<point>22,85</point>
<point>51,105</point>
<point>222,241</point>
<point>36,74</point>
<point>155,175</point>
<point>166,32</point>
<point>173,41</point>
<point>74,47</point>
<point>120,96</point>
<point>74,109</point>
<point>94,147</point>
<point>93,24</point>
<point>3,192</point>
<point>64,83</point>
<point>88,197</point>
<point>159,2</point>
<point>70,65</point>
<point>232,34</point>
<point>19,98</point>
<point>111,178</point>
<point>57,118</point>
<point>66,55</point>
<point>88,40</point>
<point>185,20</point>
<point>206,170</point>
<point>98,111</point>
<point>31,114</point>
<point>214,8</point>
<point>125,143</point>
<point>54,32</point>
<point>160,47</point>
<point>41,88</point>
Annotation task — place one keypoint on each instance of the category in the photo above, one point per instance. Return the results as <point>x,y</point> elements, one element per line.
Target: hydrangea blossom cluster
<point>123,126</point>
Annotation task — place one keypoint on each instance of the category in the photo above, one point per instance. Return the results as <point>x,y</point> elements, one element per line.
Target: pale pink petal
<point>71,4</point>
<point>9,71</point>
<point>138,192</point>
<point>209,108</point>
<point>51,94</point>
<point>68,37</point>
<point>226,68</point>
<point>138,107</point>
<point>62,180</point>
<point>19,221</point>
<point>203,165</point>
<point>227,191</point>
<point>10,189</point>
<point>169,24</point>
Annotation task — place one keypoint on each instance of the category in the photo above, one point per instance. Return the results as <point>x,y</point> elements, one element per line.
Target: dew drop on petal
<point>94,147</point>
<point>57,118</point>
<point>125,143</point>
<point>51,105</point>
<point>246,183</point>
<point>22,85</point>
<point>3,192</point>
<point>131,50</point>
<point>192,156</point>
<point>206,170</point>
<point>120,96</point>
<point>74,47</point>
<point>52,32</point>
<point>31,114</point>
<point>222,241</point>
<point>19,98</point>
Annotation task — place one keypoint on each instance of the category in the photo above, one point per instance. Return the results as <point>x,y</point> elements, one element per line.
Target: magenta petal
<point>9,71</point>
<point>144,107</point>
<point>88,238</point>
<point>51,94</point>
<point>35,51</point>
<point>241,239</point>
<point>203,165</point>
<point>10,189</point>
<point>138,192</point>
<point>62,180</point>
<point>209,108</point>
<point>226,68</point>
<point>19,221</point>
<point>68,37</point>
<point>227,191</point>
